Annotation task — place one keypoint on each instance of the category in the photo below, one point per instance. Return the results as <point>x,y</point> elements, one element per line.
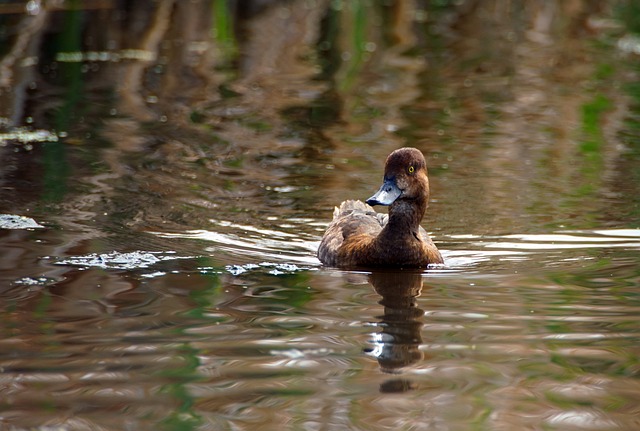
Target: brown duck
<point>360,237</point>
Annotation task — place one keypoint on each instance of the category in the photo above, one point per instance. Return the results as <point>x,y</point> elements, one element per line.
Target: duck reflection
<point>398,344</point>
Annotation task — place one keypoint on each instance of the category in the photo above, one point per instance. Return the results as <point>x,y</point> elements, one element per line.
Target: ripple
<point>627,238</point>
<point>285,242</point>
<point>583,420</point>
<point>254,242</point>
<point>468,251</point>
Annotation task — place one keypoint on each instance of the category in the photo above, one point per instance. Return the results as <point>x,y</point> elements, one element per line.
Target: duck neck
<point>405,216</point>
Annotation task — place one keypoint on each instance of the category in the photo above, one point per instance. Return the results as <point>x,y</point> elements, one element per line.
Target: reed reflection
<point>398,344</point>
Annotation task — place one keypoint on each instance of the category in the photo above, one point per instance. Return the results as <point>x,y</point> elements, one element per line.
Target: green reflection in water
<point>629,13</point>
<point>292,290</point>
<point>70,40</point>
<point>184,416</point>
<point>56,172</point>
<point>55,165</point>
<point>223,29</point>
<point>47,327</point>
<point>204,299</point>
<point>346,24</point>
<point>591,118</point>
<point>592,146</point>
<point>358,41</point>
<point>630,136</point>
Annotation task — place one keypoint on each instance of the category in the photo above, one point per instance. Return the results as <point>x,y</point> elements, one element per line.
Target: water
<point>174,186</point>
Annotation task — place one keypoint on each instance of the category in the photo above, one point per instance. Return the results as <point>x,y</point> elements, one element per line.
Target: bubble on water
<point>117,260</point>
<point>22,134</point>
<point>11,221</point>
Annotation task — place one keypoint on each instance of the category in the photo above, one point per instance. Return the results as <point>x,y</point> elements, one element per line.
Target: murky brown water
<point>183,160</point>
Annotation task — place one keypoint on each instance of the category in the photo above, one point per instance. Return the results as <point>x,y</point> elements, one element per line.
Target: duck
<point>358,236</point>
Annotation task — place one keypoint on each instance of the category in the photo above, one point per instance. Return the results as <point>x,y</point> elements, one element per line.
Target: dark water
<point>182,159</point>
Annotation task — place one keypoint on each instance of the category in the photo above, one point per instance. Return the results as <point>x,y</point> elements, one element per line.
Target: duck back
<point>352,218</point>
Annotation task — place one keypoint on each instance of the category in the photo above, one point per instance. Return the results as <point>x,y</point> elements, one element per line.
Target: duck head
<point>405,178</point>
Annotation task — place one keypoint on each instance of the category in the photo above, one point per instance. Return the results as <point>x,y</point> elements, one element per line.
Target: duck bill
<point>387,194</point>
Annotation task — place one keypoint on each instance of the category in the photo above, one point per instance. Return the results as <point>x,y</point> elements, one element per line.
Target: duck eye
<point>411,169</point>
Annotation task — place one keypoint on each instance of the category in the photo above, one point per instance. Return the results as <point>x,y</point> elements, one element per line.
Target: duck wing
<point>351,218</point>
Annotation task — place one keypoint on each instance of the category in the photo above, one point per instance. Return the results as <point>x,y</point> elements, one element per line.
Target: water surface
<point>167,174</point>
